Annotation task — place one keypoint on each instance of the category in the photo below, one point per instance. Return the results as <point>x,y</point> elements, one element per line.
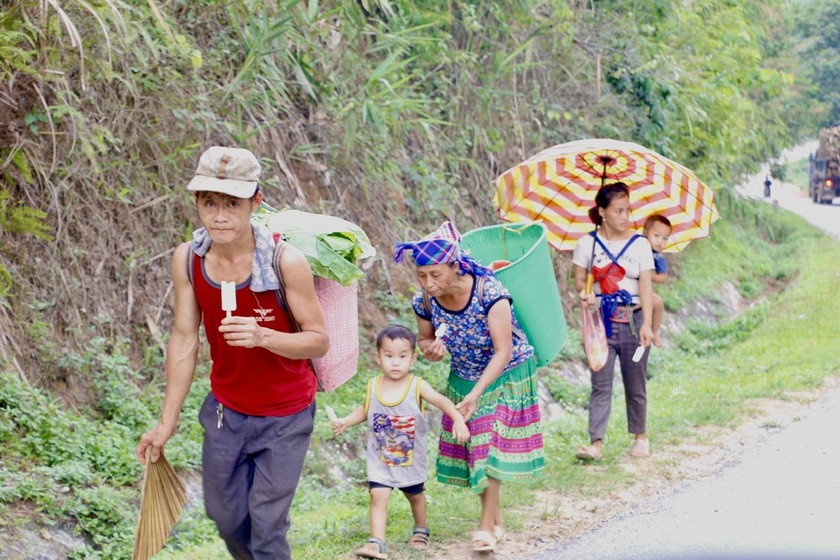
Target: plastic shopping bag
<point>594,338</point>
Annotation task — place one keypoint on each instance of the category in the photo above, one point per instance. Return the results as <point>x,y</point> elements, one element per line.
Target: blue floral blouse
<point>468,334</point>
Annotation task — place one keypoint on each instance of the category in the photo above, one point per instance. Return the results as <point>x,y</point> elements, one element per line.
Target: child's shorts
<point>412,490</point>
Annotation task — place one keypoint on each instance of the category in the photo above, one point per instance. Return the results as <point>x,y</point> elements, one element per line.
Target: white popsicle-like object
<point>441,330</point>
<point>640,351</point>
<point>331,413</point>
<point>228,297</point>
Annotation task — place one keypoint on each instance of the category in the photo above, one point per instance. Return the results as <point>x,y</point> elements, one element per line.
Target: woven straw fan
<point>162,499</point>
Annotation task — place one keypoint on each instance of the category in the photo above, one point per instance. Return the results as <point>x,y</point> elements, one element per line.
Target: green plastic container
<point>529,278</point>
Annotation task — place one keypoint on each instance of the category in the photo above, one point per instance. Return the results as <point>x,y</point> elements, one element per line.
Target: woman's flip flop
<point>589,453</point>
<point>482,541</point>
<point>499,533</point>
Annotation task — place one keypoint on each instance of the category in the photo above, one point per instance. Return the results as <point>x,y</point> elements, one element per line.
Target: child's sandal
<point>419,538</point>
<point>367,551</point>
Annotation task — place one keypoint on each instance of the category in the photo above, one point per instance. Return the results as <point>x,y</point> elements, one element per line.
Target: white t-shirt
<point>636,258</point>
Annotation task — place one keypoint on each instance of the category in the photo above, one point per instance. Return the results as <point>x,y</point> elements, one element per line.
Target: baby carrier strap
<point>610,302</point>
<point>614,258</point>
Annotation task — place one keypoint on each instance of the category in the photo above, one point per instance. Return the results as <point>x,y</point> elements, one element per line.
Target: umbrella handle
<point>590,278</point>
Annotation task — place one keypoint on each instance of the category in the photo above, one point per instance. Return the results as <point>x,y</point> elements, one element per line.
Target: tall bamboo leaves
<point>264,36</point>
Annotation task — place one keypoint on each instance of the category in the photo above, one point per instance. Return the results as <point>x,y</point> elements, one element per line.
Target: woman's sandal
<point>589,453</point>
<point>499,533</point>
<point>640,449</point>
<point>482,541</point>
<point>419,538</point>
<point>367,551</point>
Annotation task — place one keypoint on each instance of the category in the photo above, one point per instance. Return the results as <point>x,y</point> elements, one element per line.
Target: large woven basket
<point>341,315</point>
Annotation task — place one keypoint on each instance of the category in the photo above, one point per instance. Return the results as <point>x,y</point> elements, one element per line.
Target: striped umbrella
<point>558,187</point>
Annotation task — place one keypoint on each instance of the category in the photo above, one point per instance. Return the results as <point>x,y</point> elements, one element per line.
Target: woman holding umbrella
<point>621,263</point>
<point>462,308</point>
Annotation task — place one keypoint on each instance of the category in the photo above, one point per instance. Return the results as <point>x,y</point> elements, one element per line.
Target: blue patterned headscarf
<point>442,246</point>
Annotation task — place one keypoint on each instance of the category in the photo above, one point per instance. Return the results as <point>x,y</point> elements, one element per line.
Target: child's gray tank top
<point>396,451</point>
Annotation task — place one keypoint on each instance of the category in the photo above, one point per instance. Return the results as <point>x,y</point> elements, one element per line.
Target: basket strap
<point>427,304</point>
<point>281,293</point>
<point>513,328</point>
<point>479,289</point>
<point>190,271</point>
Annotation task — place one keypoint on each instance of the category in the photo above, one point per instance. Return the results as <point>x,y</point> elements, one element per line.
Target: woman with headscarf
<point>461,307</point>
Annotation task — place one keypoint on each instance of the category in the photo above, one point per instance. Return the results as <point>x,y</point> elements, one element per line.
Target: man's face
<point>225,216</point>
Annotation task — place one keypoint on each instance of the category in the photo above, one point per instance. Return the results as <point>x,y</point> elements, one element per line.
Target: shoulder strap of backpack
<point>479,290</point>
<point>427,304</point>
<point>281,293</point>
<point>281,290</point>
<point>190,272</point>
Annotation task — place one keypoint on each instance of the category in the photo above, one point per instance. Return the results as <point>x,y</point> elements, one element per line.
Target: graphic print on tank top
<point>395,438</point>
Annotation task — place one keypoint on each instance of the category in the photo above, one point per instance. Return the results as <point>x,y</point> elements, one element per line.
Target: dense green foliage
<point>364,109</point>
<point>819,29</point>
<point>392,113</point>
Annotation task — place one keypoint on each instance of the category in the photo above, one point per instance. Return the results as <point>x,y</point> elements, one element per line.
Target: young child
<point>657,229</point>
<point>396,451</point>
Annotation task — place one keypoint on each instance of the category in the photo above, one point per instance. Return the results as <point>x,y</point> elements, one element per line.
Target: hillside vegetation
<point>393,114</point>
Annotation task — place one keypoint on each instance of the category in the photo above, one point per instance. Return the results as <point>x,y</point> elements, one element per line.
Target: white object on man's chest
<point>228,297</point>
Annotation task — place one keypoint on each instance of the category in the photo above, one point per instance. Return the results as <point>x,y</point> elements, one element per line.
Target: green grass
<point>774,349</point>
<point>796,172</point>
<point>754,249</point>
<point>789,351</point>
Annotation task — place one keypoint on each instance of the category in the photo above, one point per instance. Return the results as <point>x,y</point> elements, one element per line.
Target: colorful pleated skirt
<point>505,433</point>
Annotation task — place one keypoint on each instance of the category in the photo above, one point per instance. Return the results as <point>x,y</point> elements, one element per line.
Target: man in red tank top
<point>259,415</point>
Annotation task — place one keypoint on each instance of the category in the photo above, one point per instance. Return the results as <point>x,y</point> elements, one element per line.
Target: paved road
<point>791,197</point>
<point>778,499</point>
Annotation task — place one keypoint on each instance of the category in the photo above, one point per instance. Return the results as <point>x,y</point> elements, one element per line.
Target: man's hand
<point>154,440</point>
<point>241,331</point>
